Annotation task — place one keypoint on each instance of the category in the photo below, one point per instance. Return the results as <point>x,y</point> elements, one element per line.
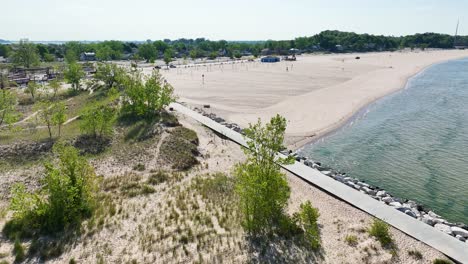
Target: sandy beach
<point>316,93</point>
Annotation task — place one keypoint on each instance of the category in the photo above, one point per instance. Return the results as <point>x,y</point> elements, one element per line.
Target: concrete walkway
<point>444,243</point>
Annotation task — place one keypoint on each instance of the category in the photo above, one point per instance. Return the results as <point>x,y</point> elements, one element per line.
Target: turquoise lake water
<point>413,143</point>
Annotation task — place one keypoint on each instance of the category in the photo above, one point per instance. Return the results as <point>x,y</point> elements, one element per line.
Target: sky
<point>220,19</point>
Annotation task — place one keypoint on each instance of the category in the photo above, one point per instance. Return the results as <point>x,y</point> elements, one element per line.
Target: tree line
<point>326,41</point>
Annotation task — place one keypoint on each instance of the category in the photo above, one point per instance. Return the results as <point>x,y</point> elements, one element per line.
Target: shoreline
<point>355,115</point>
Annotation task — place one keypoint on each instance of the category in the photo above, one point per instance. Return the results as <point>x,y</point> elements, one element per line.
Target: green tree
<point>67,196</point>
<point>49,57</point>
<point>148,52</point>
<point>109,73</point>
<point>146,97</point>
<point>73,74</point>
<point>8,101</point>
<point>59,116</point>
<point>98,121</point>
<point>213,55</point>
<point>26,54</point>
<point>46,112</point>
<point>194,54</point>
<point>262,188</point>
<point>168,55</point>
<point>55,86</point>
<point>32,89</point>
<point>307,218</point>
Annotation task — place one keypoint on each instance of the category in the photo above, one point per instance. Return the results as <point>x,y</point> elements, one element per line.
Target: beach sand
<point>316,93</point>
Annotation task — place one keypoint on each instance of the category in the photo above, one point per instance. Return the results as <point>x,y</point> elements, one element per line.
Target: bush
<point>442,261</point>
<point>352,240</point>
<point>139,167</point>
<point>415,254</point>
<point>67,196</point>
<point>308,217</point>
<point>379,230</point>
<point>18,250</point>
<point>146,97</point>
<point>179,151</point>
<point>158,178</point>
<point>98,121</point>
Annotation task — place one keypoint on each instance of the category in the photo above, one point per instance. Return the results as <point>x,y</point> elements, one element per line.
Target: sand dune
<point>317,93</point>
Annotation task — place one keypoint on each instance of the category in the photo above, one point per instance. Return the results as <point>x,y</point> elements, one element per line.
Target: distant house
<point>339,47</point>
<point>270,59</point>
<point>2,60</point>
<point>88,56</point>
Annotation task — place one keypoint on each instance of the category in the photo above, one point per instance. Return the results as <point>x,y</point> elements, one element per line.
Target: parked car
<point>157,67</point>
<point>172,66</point>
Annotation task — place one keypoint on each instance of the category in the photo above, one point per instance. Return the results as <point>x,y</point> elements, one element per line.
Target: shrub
<point>308,217</point>
<point>379,230</point>
<point>139,167</point>
<point>98,121</point>
<point>352,240</point>
<point>158,178</point>
<point>67,196</point>
<point>146,97</point>
<point>18,250</point>
<point>179,151</point>
<point>415,254</point>
<point>262,187</point>
<point>442,261</point>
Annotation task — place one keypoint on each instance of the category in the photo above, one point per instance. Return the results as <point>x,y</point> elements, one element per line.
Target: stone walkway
<point>444,243</point>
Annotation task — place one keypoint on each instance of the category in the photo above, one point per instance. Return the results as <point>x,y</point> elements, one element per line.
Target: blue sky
<point>217,19</point>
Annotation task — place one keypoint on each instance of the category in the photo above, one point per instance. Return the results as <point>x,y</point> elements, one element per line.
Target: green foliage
<point>98,121</point>
<point>146,98</point>
<point>213,55</point>
<point>262,188</point>
<point>158,178</point>
<point>180,151</point>
<point>442,261</point>
<point>379,230</point>
<point>8,113</point>
<point>73,74</point>
<point>25,54</point>
<point>139,167</point>
<point>415,254</point>
<point>55,86</point>
<point>109,73</point>
<point>308,217</point>
<point>148,52</point>
<point>46,111</point>
<point>18,250</point>
<point>32,89</point>
<point>59,116</point>
<point>352,240</point>
<point>49,57</point>
<point>67,196</point>
<point>168,55</point>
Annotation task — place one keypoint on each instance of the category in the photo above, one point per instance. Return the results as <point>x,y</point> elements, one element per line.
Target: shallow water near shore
<point>413,143</point>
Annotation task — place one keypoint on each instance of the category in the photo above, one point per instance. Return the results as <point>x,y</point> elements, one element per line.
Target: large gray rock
<point>433,215</point>
<point>368,190</point>
<point>410,213</point>
<point>428,220</point>
<point>416,212</point>
<point>327,173</point>
<point>387,199</point>
<point>395,204</point>
<point>443,228</point>
<point>459,231</point>
<point>362,184</point>
<point>381,193</point>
